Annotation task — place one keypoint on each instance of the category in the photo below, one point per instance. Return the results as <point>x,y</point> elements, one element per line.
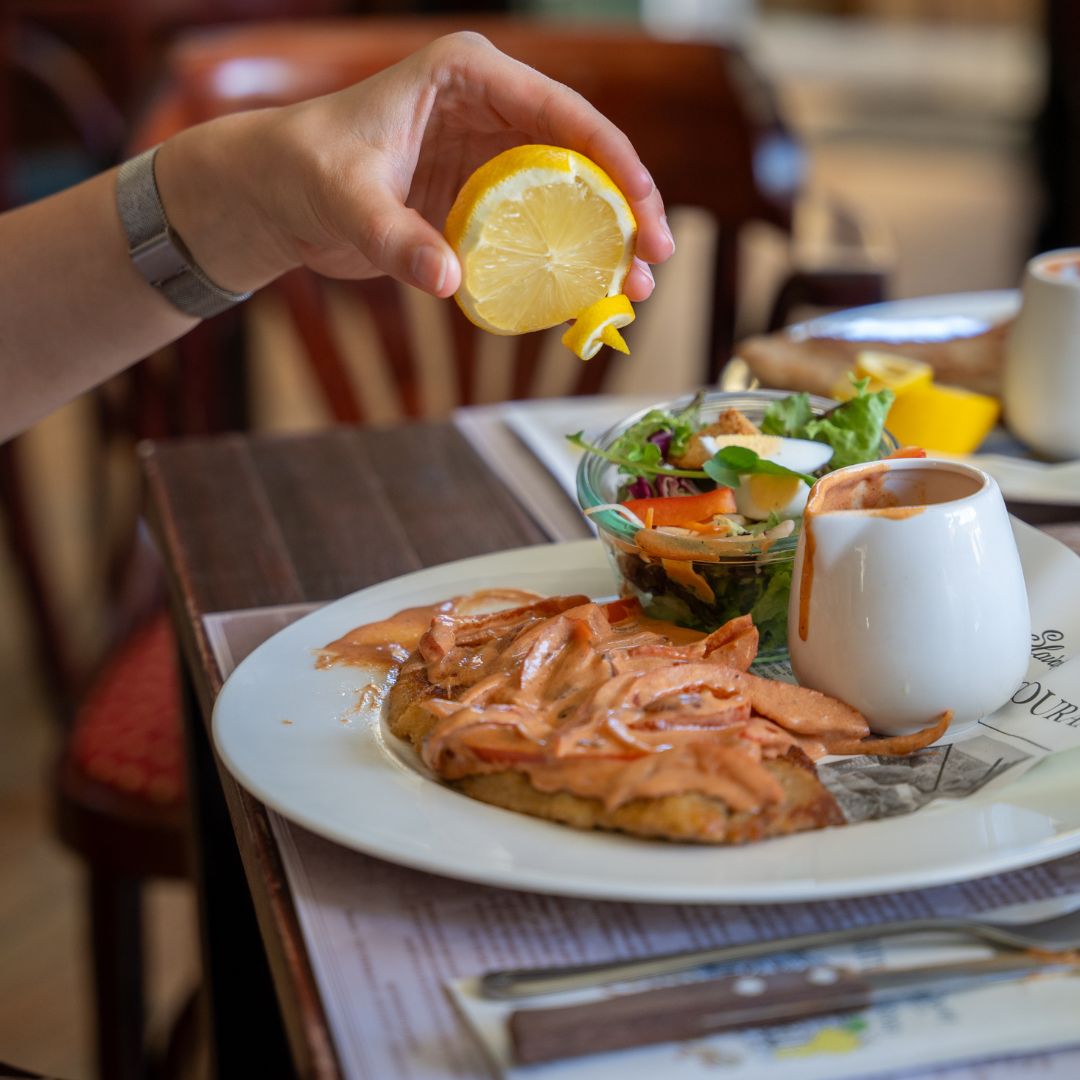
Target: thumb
<point>400,242</point>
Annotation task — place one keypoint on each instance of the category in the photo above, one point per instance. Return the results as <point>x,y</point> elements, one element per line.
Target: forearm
<point>73,308</point>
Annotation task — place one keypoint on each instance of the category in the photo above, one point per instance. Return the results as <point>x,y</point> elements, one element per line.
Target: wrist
<point>204,179</point>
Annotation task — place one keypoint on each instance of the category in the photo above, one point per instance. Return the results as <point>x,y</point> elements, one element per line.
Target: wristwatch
<point>157,251</point>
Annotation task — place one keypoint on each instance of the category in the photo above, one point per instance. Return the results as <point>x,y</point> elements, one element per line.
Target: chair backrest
<point>701,119</point>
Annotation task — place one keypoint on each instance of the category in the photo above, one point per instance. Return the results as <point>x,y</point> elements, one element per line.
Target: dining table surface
<point>259,521</point>
<point>249,521</point>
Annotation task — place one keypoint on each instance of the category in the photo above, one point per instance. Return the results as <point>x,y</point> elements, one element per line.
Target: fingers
<point>399,242</point>
<point>655,243</point>
<point>547,111</point>
<point>639,282</point>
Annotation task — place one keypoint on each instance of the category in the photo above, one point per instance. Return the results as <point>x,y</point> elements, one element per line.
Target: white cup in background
<point>1041,391</point>
<point>908,596</point>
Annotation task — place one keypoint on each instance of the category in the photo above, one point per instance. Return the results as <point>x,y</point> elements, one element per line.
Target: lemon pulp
<point>898,373</point>
<point>542,234</point>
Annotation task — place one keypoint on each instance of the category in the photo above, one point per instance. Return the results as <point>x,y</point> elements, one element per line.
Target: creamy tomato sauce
<point>1064,266</point>
<point>598,700</point>
<point>385,645</point>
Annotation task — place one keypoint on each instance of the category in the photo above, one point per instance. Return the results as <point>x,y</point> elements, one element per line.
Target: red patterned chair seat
<point>127,733</point>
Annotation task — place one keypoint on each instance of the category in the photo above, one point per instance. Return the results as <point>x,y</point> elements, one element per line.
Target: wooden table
<point>249,522</point>
<point>246,522</point>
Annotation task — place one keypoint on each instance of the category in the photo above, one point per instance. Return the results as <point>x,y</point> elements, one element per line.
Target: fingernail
<point>429,268</point>
<point>646,269</point>
<point>668,233</point>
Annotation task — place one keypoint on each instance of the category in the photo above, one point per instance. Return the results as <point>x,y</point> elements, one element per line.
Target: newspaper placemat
<point>1041,718</point>
<point>385,942</point>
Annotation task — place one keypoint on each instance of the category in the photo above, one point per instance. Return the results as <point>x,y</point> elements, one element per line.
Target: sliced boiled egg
<point>760,495</point>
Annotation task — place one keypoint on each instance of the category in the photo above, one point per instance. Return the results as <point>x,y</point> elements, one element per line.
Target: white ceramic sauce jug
<point>908,596</point>
<point>1041,384</point>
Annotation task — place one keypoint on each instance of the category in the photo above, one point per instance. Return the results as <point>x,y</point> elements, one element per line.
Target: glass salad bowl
<point>688,576</point>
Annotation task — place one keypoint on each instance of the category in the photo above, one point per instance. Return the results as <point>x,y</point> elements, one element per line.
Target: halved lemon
<point>599,325</point>
<point>542,233</point>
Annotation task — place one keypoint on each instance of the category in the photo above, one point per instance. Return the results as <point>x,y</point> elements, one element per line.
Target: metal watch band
<point>157,251</point>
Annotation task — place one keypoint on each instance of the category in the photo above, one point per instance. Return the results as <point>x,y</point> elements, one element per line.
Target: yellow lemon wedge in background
<point>947,419</point>
<point>599,325</point>
<point>898,373</point>
<point>542,234</point>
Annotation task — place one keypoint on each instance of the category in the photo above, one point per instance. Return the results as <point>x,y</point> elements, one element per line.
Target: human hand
<point>359,182</point>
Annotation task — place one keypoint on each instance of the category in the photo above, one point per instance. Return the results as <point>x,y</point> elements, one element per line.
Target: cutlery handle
<point>515,983</point>
<point>687,1011</point>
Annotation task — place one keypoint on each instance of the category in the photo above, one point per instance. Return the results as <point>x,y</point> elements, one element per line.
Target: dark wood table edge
<point>301,1008</point>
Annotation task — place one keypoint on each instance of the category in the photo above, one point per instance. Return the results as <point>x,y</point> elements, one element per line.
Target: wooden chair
<point>119,784</point>
<point>704,124</point>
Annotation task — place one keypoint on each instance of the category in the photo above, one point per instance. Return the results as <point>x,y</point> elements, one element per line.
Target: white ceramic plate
<point>292,735</point>
<point>921,318</point>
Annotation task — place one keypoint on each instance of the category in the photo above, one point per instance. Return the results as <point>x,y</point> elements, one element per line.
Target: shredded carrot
<point>650,513</point>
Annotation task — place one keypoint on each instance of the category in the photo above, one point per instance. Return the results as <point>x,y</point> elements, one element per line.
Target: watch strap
<point>158,253</point>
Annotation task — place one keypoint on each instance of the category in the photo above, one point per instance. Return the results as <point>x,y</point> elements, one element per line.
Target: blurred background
<point>944,129</point>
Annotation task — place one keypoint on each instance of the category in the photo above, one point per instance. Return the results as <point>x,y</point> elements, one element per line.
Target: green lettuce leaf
<point>770,610</point>
<point>640,457</point>
<point>788,417</point>
<point>634,443</point>
<point>854,428</point>
<point>642,464</point>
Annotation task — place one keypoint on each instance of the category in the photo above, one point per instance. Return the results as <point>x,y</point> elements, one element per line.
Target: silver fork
<point>1048,925</point>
